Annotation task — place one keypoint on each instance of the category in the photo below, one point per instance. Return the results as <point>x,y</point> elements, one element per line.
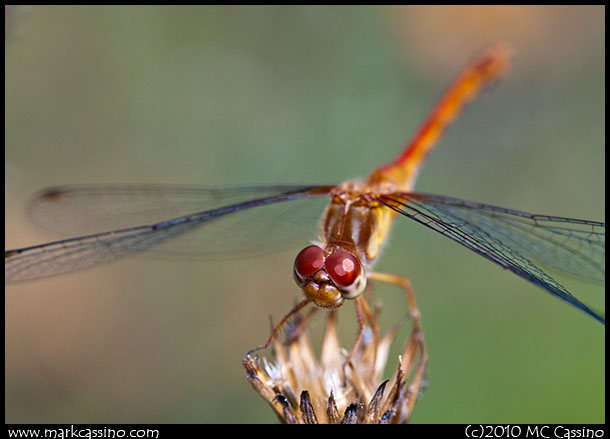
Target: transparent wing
<point>271,217</point>
<point>515,240</point>
<point>84,210</point>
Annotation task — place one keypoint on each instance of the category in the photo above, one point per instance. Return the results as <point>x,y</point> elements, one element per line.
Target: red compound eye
<point>308,261</point>
<point>343,268</point>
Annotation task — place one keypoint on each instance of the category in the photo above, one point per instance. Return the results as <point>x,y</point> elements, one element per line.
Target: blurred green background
<point>255,95</point>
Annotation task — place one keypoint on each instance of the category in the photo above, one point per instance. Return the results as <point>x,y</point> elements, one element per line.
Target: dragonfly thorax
<point>355,220</point>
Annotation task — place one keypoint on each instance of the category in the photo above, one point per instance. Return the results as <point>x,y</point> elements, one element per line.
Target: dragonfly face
<point>327,279</point>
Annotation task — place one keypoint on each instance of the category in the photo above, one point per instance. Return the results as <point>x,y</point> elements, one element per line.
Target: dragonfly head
<point>329,279</point>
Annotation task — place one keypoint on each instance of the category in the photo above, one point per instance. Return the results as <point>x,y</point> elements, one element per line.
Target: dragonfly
<point>356,217</point>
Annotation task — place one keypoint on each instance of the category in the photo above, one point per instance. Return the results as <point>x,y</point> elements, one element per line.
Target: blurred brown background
<point>255,95</point>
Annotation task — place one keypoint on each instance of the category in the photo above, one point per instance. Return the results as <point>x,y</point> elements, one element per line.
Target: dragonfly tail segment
<point>486,69</point>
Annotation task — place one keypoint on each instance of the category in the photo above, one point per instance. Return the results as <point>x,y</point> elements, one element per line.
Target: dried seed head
<point>303,389</point>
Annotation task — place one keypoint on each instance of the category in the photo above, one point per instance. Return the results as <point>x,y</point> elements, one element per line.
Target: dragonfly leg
<point>405,284</point>
<point>363,311</point>
<point>298,307</point>
<point>370,316</point>
<point>414,357</point>
<point>296,332</point>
